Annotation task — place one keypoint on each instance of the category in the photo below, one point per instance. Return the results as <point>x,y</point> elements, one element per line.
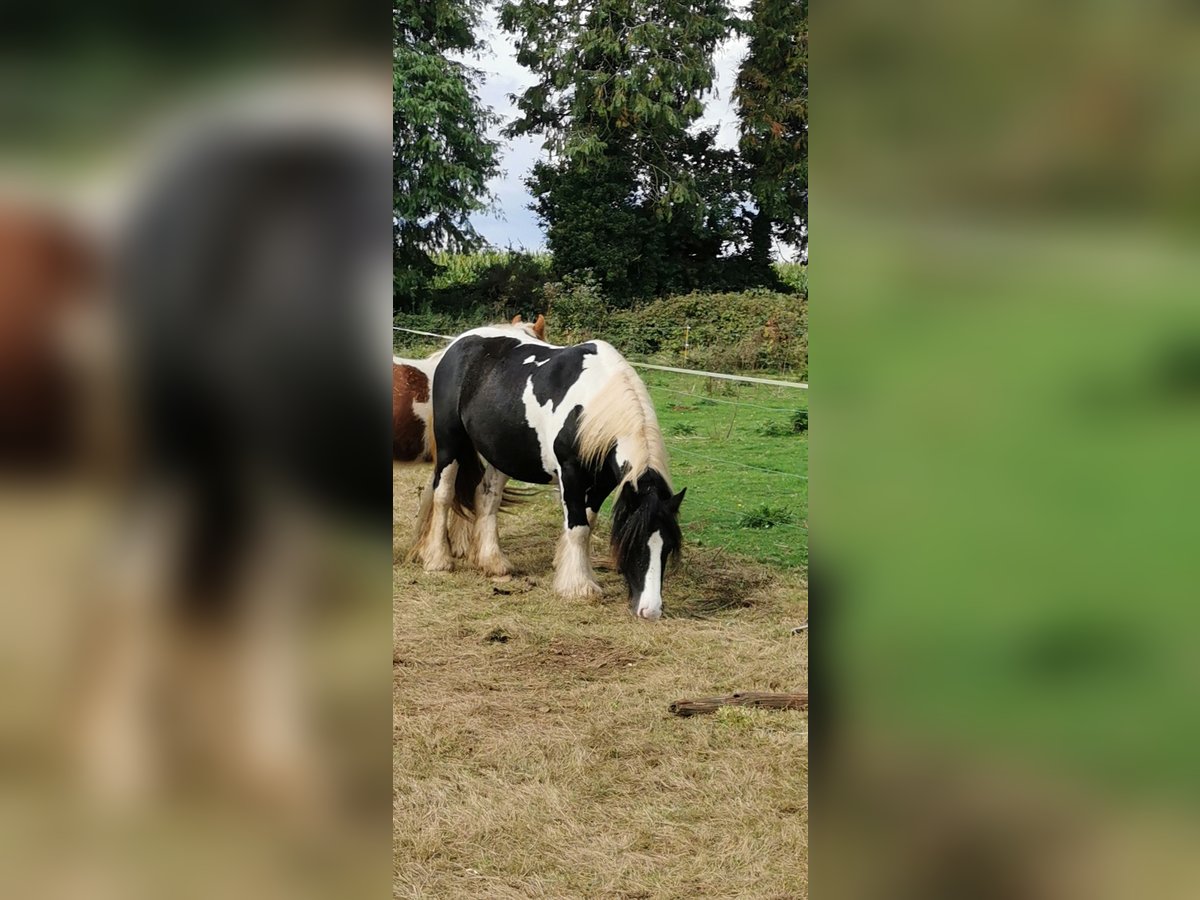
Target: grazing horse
<point>412,419</point>
<point>510,405</point>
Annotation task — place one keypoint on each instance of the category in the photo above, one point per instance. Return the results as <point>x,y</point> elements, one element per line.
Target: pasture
<point>533,752</point>
<point>737,449</point>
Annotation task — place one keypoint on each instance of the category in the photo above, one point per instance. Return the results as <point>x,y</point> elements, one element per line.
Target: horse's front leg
<point>486,552</point>
<point>573,575</point>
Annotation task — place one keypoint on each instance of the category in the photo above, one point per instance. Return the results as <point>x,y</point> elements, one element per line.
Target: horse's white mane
<point>621,411</point>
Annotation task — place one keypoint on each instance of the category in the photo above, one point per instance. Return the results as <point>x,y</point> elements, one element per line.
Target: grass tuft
<point>797,423</point>
<point>766,517</point>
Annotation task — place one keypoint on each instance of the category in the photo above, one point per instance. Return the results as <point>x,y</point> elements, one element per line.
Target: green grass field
<point>732,446</point>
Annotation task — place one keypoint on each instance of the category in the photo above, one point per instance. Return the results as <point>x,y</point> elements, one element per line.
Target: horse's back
<point>512,398</point>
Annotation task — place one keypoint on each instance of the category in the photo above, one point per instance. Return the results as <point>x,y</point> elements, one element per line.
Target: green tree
<point>441,155</point>
<point>626,190</point>
<point>772,98</point>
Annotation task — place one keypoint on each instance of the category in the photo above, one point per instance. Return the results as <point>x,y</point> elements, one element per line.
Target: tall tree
<point>442,157</point>
<point>625,188</point>
<point>772,98</point>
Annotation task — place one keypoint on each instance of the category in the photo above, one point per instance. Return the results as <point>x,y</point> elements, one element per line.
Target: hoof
<point>587,590</point>
<point>439,565</point>
<point>494,567</point>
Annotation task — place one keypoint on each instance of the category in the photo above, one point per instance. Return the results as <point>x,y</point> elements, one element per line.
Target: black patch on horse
<point>561,369</point>
<point>479,407</point>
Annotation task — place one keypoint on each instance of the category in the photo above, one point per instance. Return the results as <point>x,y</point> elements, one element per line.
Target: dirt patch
<point>590,654</point>
<point>709,583</point>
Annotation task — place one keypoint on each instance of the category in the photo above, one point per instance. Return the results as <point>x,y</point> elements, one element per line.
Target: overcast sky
<point>512,223</point>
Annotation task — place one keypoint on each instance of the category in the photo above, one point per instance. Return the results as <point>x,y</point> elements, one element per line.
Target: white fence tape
<point>773,382</point>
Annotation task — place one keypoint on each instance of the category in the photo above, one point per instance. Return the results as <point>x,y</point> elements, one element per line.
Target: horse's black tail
<point>470,473</point>
<point>515,496</point>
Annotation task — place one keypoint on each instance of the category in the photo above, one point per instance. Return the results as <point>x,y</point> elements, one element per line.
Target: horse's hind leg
<point>433,547</point>
<point>487,555</point>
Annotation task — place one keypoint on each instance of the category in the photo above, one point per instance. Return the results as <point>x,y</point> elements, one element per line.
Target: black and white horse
<point>508,405</point>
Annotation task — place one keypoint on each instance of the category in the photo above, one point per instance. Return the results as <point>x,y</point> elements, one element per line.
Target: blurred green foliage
<point>1008,394</point>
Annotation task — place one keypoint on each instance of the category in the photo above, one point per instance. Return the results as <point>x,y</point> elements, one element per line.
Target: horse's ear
<point>675,501</point>
<point>516,319</point>
<point>539,327</point>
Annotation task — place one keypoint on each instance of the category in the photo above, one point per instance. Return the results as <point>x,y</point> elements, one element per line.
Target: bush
<point>576,309</point>
<point>488,286</point>
<point>724,332</point>
<point>794,275</point>
<point>796,424</point>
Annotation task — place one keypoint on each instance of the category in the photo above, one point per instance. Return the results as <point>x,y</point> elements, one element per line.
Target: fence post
<point>687,328</point>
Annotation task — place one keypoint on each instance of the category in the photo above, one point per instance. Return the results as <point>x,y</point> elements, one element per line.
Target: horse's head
<point>645,536</point>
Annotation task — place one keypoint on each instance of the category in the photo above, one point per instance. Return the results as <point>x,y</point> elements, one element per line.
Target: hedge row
<point>743,330</point>
<point>726,331</point>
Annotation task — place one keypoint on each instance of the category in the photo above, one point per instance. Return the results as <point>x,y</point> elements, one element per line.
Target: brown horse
<point>412,418</point>
<point>46,270</point>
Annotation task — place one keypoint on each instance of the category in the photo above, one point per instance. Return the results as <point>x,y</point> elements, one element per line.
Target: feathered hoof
<point>494,566</point>
<point>437,561</point>
<point>580,590</point>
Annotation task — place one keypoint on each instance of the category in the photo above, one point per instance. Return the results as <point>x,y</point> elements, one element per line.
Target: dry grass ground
<point>533,752</point>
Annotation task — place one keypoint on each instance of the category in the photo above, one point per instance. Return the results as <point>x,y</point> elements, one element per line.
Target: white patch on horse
<point>423,409</point>
<point>533,359</point>
<point>650,602</point>
<point>547,420</point>
<point>523,334</point>
<point>573,575</point>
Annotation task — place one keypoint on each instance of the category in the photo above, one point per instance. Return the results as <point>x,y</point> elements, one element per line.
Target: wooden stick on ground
<point>741,698</point>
